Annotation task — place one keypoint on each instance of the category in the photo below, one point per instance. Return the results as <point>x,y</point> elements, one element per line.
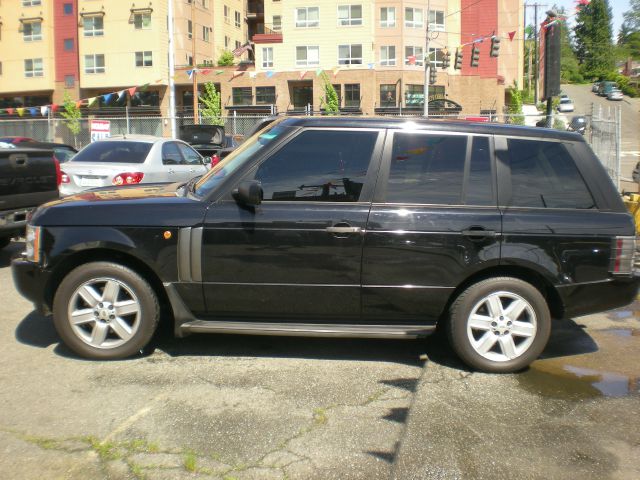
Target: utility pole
<point>427,65</point>
<point>193,63</point>
<point>172,73</point>
<point>535,46</point>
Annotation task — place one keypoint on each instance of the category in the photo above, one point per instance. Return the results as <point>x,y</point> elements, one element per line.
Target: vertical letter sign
<point>100,129</point>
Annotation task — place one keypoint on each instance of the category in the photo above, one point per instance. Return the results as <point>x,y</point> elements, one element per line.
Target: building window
<point>388,95</point>
<point>189,29</point>
<point>93,26</point>
<point>265,95</point>
<point>306,56</point>
<point>413,17</point>
<point>227,41</point>
<point>242,96</point>
<point>388,17</point>
<point>413,56</point>
<point>435,57</point>
<point>144,59</point>
<point>31,3</point>
<point>237,17</point>
<point>350,54</point>
<point>69,81</point>
<point>189,60</point>
<point>267,58</point>
<point>436,20</point>
<point>32,31</point>
<point>414,95</point>
<point>277,23</point>
<point>349,15</point>
<point>238,44</point>
<point>94,63</point>
<point>68,44</point>
<point>142,20</point>
<point>67,9</point>
<point>0,68</point>
<point>307,17</point>
<point>352,95</point>
<point>388,55</point>
<point>33,67</point>
<point>226,14</point>
<point>205,33</point>
<point>205,4</point>
<point>338,88</point>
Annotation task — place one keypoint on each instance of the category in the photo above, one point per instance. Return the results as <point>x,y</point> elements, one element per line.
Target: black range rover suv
<point>362,227</point>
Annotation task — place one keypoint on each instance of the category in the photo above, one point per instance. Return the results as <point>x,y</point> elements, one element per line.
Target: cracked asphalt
<point>237,407</point>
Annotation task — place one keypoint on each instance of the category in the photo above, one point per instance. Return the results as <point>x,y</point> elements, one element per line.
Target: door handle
<point>479,233</point>
<point>344,229</point>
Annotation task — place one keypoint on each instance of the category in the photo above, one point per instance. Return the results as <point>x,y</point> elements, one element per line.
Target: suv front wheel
<point>104,310</point>
<point>499,325</point>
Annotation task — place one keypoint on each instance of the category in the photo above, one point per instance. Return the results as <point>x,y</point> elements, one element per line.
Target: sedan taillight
<point>64,178</point>
<point>58,171</point>
<point>622,255</point>
<point>127,178</point>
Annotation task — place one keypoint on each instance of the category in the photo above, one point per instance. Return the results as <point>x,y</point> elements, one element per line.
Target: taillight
<point>622,255</point>
<point>127,178</point>
<point>56,162</point>
<point>215,160</point>
<point>64,178</point>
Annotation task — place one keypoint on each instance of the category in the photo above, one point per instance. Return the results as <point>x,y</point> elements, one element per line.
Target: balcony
<point>266,35</point>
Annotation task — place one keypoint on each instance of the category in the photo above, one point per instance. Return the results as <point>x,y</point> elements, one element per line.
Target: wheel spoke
<point>485,343</point>
<point>89,295</point>
<point>508,346</point>
<point>99,334</point>
<point>515,309</point>
<point>80,317</point>
<point>122,329</point>
<point>111,291</point>
<point>127,307</point>
<point>523,329</point>
<point>495,306</point>
<point>480,322</point>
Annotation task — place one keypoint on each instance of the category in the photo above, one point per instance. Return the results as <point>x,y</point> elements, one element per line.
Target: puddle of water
<point>574,383</point>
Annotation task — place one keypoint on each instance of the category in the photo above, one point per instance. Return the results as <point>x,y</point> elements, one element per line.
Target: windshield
<point>565,100</point>
<point>113,151</point>
<point>238,157</point>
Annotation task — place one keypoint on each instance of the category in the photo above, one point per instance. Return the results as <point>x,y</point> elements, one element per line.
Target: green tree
<point>212,110</point>
<point>329,102</point>
<point>569,67</point>
<point>226,59</point>
<point>515,106</point>
<point>629,36</point>
<point>72,115</point>
<point>593,36</point>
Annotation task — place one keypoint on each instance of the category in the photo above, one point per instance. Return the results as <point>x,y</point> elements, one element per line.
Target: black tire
<point>134,307</point>
<point>4,241</point>
<point>529,335</point>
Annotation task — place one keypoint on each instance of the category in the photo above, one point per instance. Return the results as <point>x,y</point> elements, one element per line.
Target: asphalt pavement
<point>241,407</point>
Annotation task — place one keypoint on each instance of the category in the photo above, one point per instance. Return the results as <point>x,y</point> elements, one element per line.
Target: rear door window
<point>544,175</point>
<point>171,154</point>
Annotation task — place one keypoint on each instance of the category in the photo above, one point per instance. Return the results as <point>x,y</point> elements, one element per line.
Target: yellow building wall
<point>14,49</point>
<point>226,28</point>
<point>511,60</point>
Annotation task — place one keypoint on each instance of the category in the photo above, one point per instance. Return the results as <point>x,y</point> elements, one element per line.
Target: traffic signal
<point>475,56</point>
<point>458,64</point>
<point>495,47</point>
<point>432,75</point>
<point>446,60</point>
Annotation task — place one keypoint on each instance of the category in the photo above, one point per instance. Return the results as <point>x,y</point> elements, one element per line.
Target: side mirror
<point>206,160</point>
<point>248,193</point>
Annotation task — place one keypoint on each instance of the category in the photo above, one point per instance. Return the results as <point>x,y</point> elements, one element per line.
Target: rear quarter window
<point>544,175</point>
<point>113,151</point>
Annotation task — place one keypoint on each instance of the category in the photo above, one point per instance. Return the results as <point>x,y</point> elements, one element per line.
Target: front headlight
<point>33,243</point>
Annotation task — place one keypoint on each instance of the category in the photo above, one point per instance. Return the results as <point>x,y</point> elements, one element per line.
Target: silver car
<point>615,94</point>
<point>129,160</point>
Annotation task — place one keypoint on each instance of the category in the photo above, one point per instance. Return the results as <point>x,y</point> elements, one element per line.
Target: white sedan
<point>566,105</point>
<point>615,94</point>
<point>129,160</point>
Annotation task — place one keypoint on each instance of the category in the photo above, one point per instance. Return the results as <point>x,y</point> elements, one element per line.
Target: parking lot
<point>234,407</point>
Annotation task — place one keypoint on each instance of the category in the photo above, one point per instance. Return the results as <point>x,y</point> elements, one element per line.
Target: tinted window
<point>320,165</point>
<point>191,157</point>
<point>113,151</point>
<point>479,189</point>
<point>544,175</point>
<point>171,154</point>
<point>427,169</point>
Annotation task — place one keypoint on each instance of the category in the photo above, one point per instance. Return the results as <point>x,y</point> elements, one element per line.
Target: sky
<point>618,7</point>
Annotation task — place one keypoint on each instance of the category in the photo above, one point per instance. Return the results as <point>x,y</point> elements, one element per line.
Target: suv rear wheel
<point>499,325</point>
<point>104,310</point>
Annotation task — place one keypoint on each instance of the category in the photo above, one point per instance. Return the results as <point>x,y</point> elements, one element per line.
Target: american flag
<point>240,50</point>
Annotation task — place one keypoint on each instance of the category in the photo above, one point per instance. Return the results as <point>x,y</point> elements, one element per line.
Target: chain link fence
<point>605,139</point>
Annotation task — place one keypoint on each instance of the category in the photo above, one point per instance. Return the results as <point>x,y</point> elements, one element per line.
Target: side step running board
<point>307,329</point>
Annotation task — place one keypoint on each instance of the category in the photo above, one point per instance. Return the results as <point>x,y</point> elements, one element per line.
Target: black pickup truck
<point>29,177</point>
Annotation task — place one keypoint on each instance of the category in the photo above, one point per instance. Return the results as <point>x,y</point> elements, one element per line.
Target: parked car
<point>595,86</point>
<point>566,105</point>
<point>130,160</point>
<point>16,140</point>
<point>606,87</point>
<point>615,94</point>
<point>351,227</point>
<point>62,152</point>
<point>208,140</point>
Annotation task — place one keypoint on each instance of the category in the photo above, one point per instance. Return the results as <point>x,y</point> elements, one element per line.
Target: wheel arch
<point>546,288</point>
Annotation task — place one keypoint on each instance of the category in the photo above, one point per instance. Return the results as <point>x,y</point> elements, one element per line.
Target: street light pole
<point>193,63</point>
<point>172,73</point>
<point>427,65</point>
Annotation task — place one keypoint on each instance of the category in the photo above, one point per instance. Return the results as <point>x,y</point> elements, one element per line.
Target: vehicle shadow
<point>10,252</point>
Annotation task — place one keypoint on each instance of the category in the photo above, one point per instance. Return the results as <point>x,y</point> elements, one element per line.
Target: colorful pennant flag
<point>219,72</point>
<point>20,111</point>
<point>270,73</point>
<point>54,107</point>
<point>10,111</point>
<point>318,72</point>
<point>121,94</point>
<point>335,71</point>
<point>206,71</point>
<point>90,101</point>
<point>511,35</point>
<point>132,91</point>
<point>370,66</point>
<point>78,103</point>
<point>190,74</point>
<point>107,97</point>
<point>33,111</point>
<point>302,74</point>
<point>44,111</point>
<point>253,74</point>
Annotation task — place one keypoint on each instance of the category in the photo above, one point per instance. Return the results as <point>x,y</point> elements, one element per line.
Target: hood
<point>202,134</point>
